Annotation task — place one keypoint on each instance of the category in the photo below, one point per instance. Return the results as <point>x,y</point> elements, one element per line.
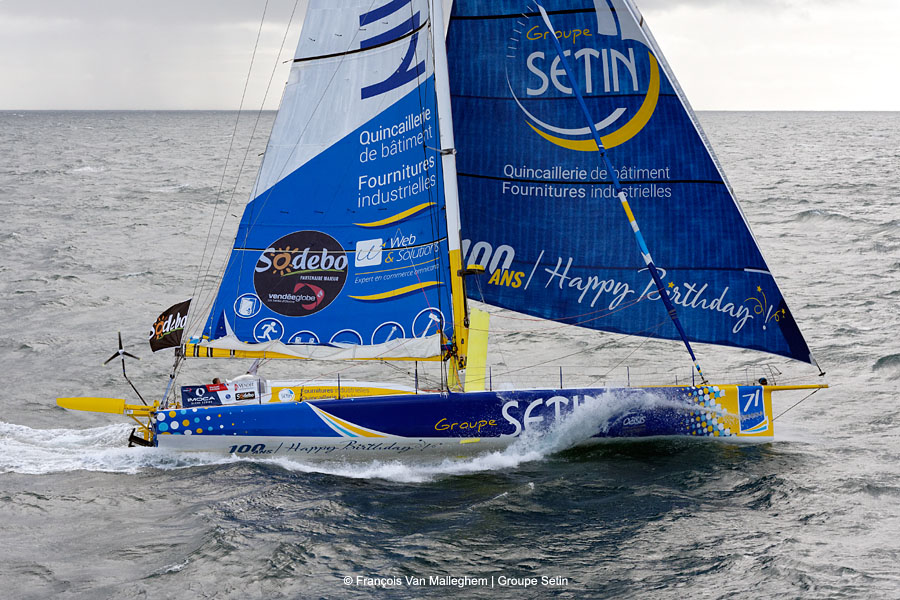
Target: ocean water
<point>105,220</point>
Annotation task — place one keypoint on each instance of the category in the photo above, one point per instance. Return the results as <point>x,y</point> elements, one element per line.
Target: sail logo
<point>408,69</point>
<point>616,73</point>
<point>300,273</point>
<point>752,409</point>
<point>168,323</point>
<point>311,294</point>
<point>368,253</point>
<point>169,327</point>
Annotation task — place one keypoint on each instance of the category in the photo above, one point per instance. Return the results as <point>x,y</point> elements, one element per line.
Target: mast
<point>460,340</point>
<point>620,191</point>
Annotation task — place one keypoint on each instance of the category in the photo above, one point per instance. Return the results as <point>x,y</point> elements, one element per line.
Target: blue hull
<point>465,423</point>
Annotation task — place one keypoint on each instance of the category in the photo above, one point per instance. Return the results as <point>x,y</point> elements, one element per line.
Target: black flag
<point>169,326</point>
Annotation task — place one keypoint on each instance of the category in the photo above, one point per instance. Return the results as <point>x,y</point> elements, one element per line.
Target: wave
<point>133,274</point>
<point>889,363</point>
<point>817,214</point>
<point>44,451</point>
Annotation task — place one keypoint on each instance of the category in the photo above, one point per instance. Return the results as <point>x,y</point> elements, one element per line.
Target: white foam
<point>41,451</point>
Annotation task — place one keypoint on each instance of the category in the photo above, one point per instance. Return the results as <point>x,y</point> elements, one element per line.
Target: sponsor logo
<point>539,413</point>
<point>201,401</point>
<point>168,323</point>
<point>752,410</point>
<point>301,273</point>
<point>245,396</point>
<point>405,253</point>
<point>610,62</point>
<point>199,395</point>
<point>368,252</point>
<point>476,426</point>
<point>634,421</point>
<point>286,395</point>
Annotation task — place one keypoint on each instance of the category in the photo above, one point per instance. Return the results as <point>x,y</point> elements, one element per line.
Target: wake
<point>44,451</point>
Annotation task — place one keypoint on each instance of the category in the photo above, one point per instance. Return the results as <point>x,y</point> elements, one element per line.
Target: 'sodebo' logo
<point>610,61</point>
<point>301,273</point>
<point>168,322</point>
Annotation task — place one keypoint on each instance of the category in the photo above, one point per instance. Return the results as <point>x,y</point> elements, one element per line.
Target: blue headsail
<point>539,210</point>
<point>343,250</point>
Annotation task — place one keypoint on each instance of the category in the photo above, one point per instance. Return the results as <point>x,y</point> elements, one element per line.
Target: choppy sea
<point>105,219</point>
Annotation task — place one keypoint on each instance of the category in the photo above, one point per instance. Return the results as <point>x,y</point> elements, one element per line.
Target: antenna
<point>122,353</point>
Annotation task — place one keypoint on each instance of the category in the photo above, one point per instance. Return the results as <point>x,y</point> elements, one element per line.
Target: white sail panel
<point>337,54</point>
<point>345,242</point>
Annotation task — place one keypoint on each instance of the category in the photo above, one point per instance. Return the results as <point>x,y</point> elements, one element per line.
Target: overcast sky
<point>195,54</point>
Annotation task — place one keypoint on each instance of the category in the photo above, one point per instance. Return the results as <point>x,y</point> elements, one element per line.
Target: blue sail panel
<point>539,210</point>
<point>343,251</point>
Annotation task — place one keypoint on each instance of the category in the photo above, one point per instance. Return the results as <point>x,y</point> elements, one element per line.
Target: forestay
<point>343,251</point>
<point>539,212</point>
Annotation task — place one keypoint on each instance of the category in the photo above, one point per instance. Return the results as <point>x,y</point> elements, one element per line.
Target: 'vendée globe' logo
<point>301,273</point>
<point>614,69</point>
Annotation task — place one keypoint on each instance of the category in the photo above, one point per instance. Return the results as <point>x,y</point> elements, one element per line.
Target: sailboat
<point>540,147</point>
